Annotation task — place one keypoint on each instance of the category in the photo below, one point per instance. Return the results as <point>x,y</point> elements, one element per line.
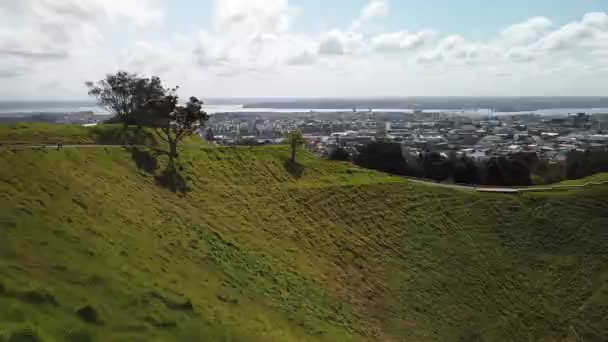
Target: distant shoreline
<point>299,111</point>
<point>475,106</point>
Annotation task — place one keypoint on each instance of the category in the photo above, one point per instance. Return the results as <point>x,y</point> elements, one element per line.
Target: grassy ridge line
<point>39,133</point>
<point>331,253</point>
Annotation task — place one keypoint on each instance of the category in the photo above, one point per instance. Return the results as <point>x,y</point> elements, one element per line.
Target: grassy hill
<point>93,247</point>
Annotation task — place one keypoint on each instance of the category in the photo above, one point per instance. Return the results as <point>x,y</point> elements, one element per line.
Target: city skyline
<point>297,48</point>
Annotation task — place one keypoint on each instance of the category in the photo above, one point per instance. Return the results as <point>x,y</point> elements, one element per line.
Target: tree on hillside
<point>173,122</point>
<point>464,170</point>
<point>295,140</point>
<point>125,95</point>
<point>436,167</point>
<point>503,171</point>
<point>581,164</point>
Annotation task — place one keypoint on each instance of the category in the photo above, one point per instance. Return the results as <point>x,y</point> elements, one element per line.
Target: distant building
<point>581,120</point>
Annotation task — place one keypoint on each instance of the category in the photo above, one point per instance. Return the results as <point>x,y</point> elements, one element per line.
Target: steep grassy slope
<point>92,248</point>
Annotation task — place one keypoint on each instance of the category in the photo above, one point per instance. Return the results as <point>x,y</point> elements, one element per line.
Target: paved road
<point>474,188</point>
<point>480,188</point>
<point>505,190</point>
<point>442,185</point>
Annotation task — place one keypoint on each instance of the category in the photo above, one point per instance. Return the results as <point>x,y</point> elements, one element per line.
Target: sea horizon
<point>299,105</point>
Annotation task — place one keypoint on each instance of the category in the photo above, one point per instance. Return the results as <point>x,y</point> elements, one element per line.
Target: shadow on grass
<point>171,179</point>
<point>294,168</point>
<point>471,336</point>
<point>144,160</point>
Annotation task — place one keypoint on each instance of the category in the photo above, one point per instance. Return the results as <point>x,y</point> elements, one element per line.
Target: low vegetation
<point>94,248</point>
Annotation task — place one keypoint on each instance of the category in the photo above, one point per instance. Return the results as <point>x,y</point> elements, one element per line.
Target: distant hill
<point>94,248</point>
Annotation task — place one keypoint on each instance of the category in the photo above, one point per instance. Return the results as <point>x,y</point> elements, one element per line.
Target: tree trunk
<point>125,129</point>
<point>293,154</point>
<point>173,149</point>
<point>171,168</point>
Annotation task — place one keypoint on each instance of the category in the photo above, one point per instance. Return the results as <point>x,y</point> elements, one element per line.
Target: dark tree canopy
<point>339,154</point>
<point>465,171</point>
<point>382,156</point>
<point>585,163</point>
<point>503,171</point>
<point>388,157</point>
<point>125,95</point>
<point>436,167</point>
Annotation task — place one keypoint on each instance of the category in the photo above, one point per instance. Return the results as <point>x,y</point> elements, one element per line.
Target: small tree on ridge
<point>295,140</point>
<point>173,122</point>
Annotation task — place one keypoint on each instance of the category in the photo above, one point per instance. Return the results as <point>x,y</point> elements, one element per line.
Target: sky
<point>307,48</point>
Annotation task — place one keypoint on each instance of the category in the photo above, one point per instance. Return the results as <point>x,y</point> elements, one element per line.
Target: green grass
<point>597,178</point>
<point>260,250</point>
<point>40,134</point>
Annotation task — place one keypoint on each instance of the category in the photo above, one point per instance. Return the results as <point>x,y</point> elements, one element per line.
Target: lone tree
<point>295,140</point>
<point>125,95</point>
<point>173,122</point>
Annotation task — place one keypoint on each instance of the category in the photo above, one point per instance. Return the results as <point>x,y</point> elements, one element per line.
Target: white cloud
<point>526,32</point>
<point>140,11</point>
<point>455,49</point>
<point>600,53</point>
<point>374,9</point>
<point>453,42</point>
<point>429,57</point>
<point>303,58</point>
<point>597,20</point>
<point>338,43</point>
<point>252,36</point>
<point>58,41</point>
<point>521,55</point>
<point>52,29</point>
<point>252,47</point>
<point>12,67</point>
<point>333,43</point>
<point>586,31</point>
<point>252,16</point>
<point>566,37</point>
<point>401,40</point>
<point>533,57</point>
